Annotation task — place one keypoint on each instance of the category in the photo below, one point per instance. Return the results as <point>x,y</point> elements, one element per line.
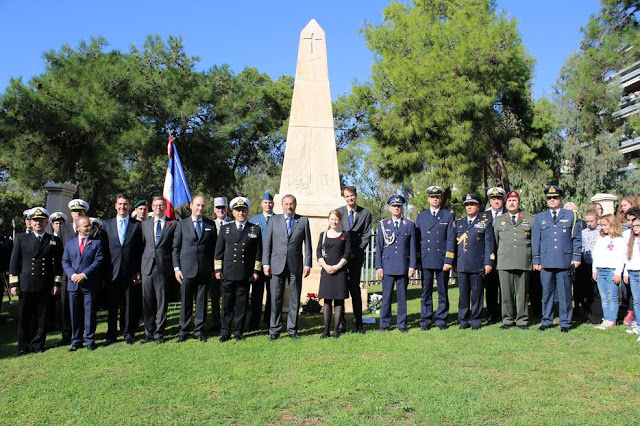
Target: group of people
<point>133,261</point>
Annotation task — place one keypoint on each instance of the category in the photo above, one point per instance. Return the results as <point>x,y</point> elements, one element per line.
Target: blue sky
<point>262,34</point>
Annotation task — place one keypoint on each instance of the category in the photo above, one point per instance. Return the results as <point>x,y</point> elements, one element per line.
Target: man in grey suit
<point>282,257</point>
<point>157,239</point>
<point>194,243</point>
<point>357,221</point>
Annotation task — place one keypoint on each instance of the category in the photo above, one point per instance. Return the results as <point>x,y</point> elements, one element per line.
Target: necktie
<point>240,227</point>
<point>395,226</point>
<point>268,217</point>
<point>434,213</point>
<point>198,228</point>
<point>350,218</point>
<point>513,219</point>
<point>81,245</point>
<point>555,215</point>
<point>288,221</point>
<point>158,230</point>
<point>39,238</point>
<point>470,222</point>
<point>121,231</point>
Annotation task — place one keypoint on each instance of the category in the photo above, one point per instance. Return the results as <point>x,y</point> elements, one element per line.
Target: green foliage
<point>101,119</point>
<point>449,94</point>
<point>588,95</point>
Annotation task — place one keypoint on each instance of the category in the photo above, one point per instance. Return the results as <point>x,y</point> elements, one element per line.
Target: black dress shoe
<point>130,340</point>
<point>22,352</point>
<point>442,326</point>
<point>294,336</point>
<point>384,329</point>
<point>182,338</point>
<point>475,328</point>
<point>40,350</point>
<point>324,336</point>
<point>464,326</point>
<point>92,346</point>
<point>425,327</point>
<point>224,338</point>
<point>109,341</point>
<point>147,339</point>
<point>564,329</point>
<point>202,338</point>
<point>159,340</point>
<point>543,327</point>
<point>505,326</point>
<point>361,330</point>
<point>404,330</point>
<point>274,337</point>
<point>337,335</point>
<point>523,327</point>
<point>74,348</point>
<point>64,342</point>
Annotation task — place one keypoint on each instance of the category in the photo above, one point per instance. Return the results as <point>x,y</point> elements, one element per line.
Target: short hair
<point>592,213</point>
<point>198,196</point>
<point>82,217</point>
<point>336,213</point>
<point>120,195</point>
<point>614,226</point>
<point>349,188</point>
<point>158,198</point>
<point>290,196</point>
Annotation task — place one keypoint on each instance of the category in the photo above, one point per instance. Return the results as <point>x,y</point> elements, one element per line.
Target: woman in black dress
<point>334,248</point>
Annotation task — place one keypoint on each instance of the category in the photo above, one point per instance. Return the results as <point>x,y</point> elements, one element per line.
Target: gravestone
<point>310,167</point>
<point>59,195</point>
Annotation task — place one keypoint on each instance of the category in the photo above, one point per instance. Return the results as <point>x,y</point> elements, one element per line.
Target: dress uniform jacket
<point>36,267</point>
<point>556,244</point>
<point>475,244</point>
<point>239,254</point>
<point>436,237</point>
<point>514,241</point>
<point>396,253</point>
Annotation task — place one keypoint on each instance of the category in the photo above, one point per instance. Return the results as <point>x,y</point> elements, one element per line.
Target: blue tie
<point>395,226</point>
<point>158,231</point>
<point>350,218</point>
<point>198,229</point>
<point>122,230</point>
<point>288,221</point>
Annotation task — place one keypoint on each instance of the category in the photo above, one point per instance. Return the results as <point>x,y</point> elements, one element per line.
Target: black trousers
<point>215,291</point>
<point>354,267</point>
<point>65,313</point>
<point>471,292</point>
<point>257,293</point>
<point>154,303</point>
<point>234,307</point>
<point>426,305</point>
<point>32,320</point>
<point>121,303</point>
<point>193,288</point>
<point>492,290</point>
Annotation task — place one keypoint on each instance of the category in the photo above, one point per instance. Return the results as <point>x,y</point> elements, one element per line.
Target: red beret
<point>512,194</point>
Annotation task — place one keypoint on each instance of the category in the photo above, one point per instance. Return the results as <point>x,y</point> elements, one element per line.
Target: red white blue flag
<point>176,191</point>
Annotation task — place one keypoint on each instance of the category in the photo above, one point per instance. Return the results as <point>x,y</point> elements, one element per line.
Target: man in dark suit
<point>82,263</point>
<point>77,208</point>
<point>492,280</point>
<point>283,257</point>
<point>194,244</point>
<point>437,239</point>
<point>156,267</point>
<point>125,248</point>
<point>475,260</point>
<point>357,221</point>
<point>395,261</point>
<point>35,270</point>
<point>220,205</point>
<point>238,262</point>
<point>258,287</point>
<point>557,252</point>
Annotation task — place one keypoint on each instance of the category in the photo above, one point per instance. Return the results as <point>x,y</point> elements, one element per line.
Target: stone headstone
<point>607,201</point>
<point>59,195</point>
<point>310,167</point>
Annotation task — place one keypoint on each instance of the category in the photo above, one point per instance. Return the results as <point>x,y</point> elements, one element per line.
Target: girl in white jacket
<point>632,268</point>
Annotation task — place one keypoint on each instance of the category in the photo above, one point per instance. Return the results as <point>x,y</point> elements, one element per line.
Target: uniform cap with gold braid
<point>471,198</point>
<point>39,213</point>
<point>78,204</point>
<point>435,190</point>
<point>58,216</point>
<point>553,191</point>
<point>496,192</point>
<point>240,202</point>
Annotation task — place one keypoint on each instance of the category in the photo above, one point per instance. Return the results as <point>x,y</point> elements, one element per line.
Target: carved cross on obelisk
<point>311,39</point>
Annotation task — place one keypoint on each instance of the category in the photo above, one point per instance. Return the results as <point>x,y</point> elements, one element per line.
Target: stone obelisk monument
<point>310,168</point>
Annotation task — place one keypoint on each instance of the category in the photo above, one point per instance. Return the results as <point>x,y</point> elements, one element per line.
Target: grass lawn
<point>453,377</point>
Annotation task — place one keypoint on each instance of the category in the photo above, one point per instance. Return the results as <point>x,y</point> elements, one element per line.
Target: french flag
<point>176,191</point>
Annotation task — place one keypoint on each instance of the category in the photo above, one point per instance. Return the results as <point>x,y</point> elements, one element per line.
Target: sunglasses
<point>553,197</point>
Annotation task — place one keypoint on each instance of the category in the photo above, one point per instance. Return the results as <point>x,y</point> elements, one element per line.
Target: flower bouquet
<point>375,303</point>
<point>312,305</point>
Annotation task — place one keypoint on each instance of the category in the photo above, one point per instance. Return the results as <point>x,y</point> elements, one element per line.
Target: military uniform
<point>556,243</point>
<point>238,256</point>
<point>35,268</point>
<point>514,265</point>
<point>395,255</point>
<point>475,242</point>
<point>437,239</point>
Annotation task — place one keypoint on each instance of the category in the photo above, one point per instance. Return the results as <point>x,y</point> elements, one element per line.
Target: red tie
<point>81,244</point>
